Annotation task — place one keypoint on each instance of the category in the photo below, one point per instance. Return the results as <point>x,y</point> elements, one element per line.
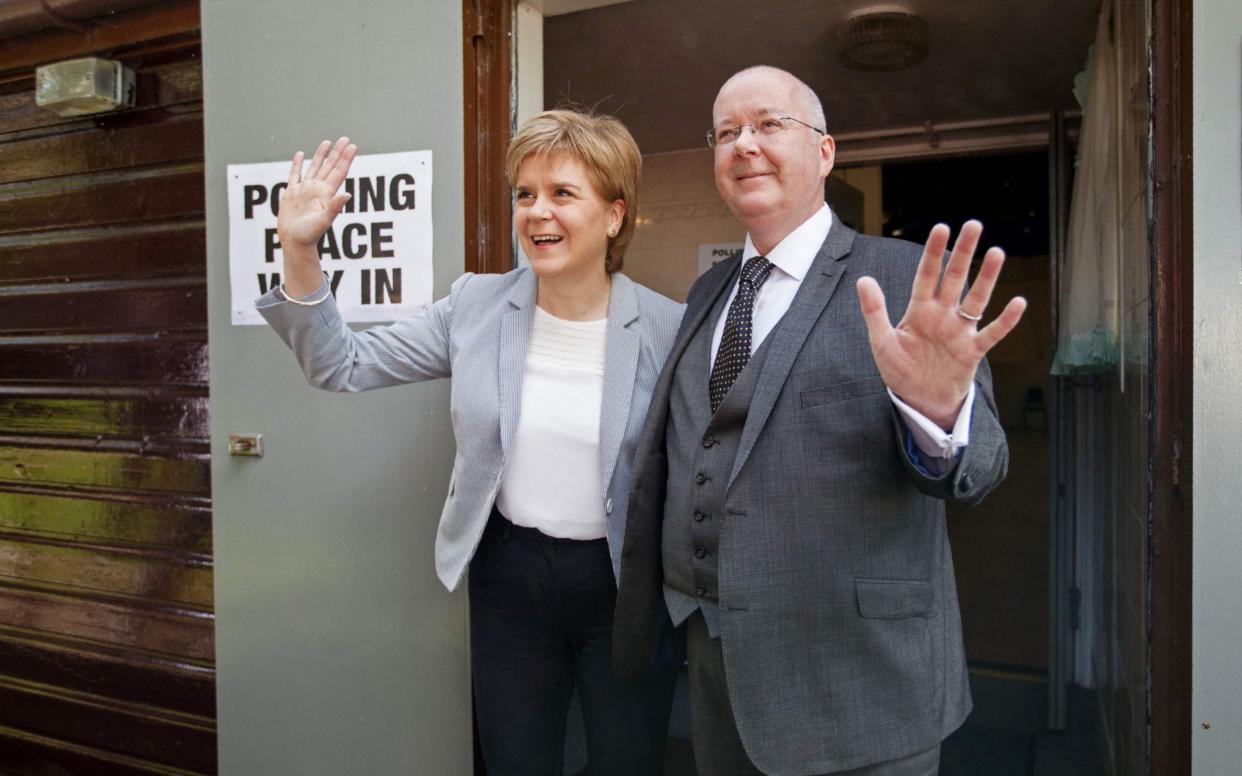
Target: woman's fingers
<point>334,157</point>
<point>321,152</point>
<point>340,167</point>
<point>295,169</point>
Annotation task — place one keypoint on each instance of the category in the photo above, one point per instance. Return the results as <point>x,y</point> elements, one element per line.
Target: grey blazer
<point>478,336</point>
<point>838,611</point>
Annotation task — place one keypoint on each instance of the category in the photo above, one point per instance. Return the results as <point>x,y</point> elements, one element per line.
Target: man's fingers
<point>927,278</point>
<point>871,299</point>
<point>995,331</point>
<point>317,160</point>
<point>295,169</point>
<point>955,273</point>
<point>976,300</point>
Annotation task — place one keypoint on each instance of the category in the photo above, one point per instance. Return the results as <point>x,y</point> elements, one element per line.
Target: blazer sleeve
<point>982,464</point>
<point>336,358</point>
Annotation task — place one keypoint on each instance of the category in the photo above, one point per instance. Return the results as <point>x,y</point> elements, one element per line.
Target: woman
<point>553,368</point>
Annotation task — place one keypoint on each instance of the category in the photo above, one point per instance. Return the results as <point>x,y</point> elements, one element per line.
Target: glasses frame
<point>737,131</point>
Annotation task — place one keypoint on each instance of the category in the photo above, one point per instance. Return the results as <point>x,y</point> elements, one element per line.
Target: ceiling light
<point>882,41</point>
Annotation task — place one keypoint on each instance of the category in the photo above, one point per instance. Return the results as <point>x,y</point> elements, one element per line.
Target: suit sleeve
<point>336,358</point>
<point>982,464</point>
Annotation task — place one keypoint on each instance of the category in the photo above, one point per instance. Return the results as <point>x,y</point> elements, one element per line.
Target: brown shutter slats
<point>106,597</point>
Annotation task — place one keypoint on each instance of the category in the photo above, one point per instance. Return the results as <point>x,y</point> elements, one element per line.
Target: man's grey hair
<point>810,100</point>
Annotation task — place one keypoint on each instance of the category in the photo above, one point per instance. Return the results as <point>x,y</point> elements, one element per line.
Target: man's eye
<point>726,134</point>
<point>771,125</point>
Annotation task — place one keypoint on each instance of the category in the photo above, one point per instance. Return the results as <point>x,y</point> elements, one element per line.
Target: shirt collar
<point>794,254</point>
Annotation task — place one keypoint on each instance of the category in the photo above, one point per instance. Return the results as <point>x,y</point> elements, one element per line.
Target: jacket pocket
<point>893,599</point>
<point>830,394</point>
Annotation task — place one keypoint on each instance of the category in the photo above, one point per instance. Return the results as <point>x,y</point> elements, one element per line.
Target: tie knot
<point>755,271</point>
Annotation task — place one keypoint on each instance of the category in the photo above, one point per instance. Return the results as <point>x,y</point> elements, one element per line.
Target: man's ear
<point>828,154</point>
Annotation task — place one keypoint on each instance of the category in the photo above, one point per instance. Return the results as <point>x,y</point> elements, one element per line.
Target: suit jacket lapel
<point>698,308</point>
<point>621,350</point>
<point>788,337</point>
<point>514,338</point>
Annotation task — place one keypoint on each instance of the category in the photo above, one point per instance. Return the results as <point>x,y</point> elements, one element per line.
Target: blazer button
<point>700,478</point>
<point>708,441</point>
<point>700,591</point>
<point>608,507</point>
<point>699,552</point>
<point>698,516</point>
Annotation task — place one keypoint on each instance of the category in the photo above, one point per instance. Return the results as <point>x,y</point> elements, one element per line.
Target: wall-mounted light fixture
<point>79,87</point>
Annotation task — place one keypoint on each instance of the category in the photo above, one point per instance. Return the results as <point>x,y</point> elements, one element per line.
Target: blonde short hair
<point>602,145</point>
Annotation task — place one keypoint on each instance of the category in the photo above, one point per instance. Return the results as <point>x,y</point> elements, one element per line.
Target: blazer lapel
<point>514,338</point>
<point>788,337</point>
<point>621,351</point>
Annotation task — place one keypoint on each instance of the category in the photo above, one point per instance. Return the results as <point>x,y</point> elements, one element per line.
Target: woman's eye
<point>523,195</point>
<point>563,193</point>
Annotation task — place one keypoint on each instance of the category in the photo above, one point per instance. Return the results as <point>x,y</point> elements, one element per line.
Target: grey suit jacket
<point>838,610</point>
<point>478,336</point>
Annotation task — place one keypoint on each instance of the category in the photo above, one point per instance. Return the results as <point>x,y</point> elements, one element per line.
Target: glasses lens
<point>771,126</point>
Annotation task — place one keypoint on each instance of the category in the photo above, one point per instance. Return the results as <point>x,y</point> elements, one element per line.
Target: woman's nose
<point>539,209</point>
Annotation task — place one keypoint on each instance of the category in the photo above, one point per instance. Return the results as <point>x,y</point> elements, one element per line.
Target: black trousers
<point>718,749</point>
<point>541,624</point>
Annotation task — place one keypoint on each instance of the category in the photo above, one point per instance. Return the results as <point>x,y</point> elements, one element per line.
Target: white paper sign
<point>376,256</point>
<point>711,254</point>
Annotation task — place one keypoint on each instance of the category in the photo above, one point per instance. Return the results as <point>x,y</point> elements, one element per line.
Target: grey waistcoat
<point>701,450</point>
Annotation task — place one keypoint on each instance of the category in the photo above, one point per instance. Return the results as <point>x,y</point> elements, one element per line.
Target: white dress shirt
<point>791,260</point>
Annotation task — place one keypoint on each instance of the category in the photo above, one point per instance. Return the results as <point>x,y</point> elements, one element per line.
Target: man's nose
<point>747,143</point>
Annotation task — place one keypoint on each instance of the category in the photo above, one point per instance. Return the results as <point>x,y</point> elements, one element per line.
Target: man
<point>789,484</point>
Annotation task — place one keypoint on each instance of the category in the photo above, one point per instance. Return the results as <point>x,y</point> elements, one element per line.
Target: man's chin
<point>749,205</point>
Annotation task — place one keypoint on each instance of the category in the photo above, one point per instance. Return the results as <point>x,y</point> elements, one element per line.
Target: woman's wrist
<point>302,273</point>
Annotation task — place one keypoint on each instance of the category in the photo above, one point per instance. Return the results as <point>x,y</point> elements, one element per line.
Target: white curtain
<point>1087,334</point>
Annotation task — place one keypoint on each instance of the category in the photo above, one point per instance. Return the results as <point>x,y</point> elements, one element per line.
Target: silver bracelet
<point>289,297</point>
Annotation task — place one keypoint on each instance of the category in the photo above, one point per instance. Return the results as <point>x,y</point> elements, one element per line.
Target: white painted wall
<point>1217,613</point>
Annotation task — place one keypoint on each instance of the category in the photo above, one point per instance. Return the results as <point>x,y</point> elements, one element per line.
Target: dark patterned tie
<point>734,349</point>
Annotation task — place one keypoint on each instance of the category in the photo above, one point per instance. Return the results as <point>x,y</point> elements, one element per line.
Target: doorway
<point>661,84</point>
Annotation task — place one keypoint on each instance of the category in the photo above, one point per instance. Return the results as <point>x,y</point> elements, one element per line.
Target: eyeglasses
<point>772,125</point>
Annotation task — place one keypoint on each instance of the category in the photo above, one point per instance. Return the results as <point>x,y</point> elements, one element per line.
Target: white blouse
<point>552,479</point>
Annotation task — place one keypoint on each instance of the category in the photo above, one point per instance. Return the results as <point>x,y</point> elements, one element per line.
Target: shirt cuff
<point>932,439</point>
